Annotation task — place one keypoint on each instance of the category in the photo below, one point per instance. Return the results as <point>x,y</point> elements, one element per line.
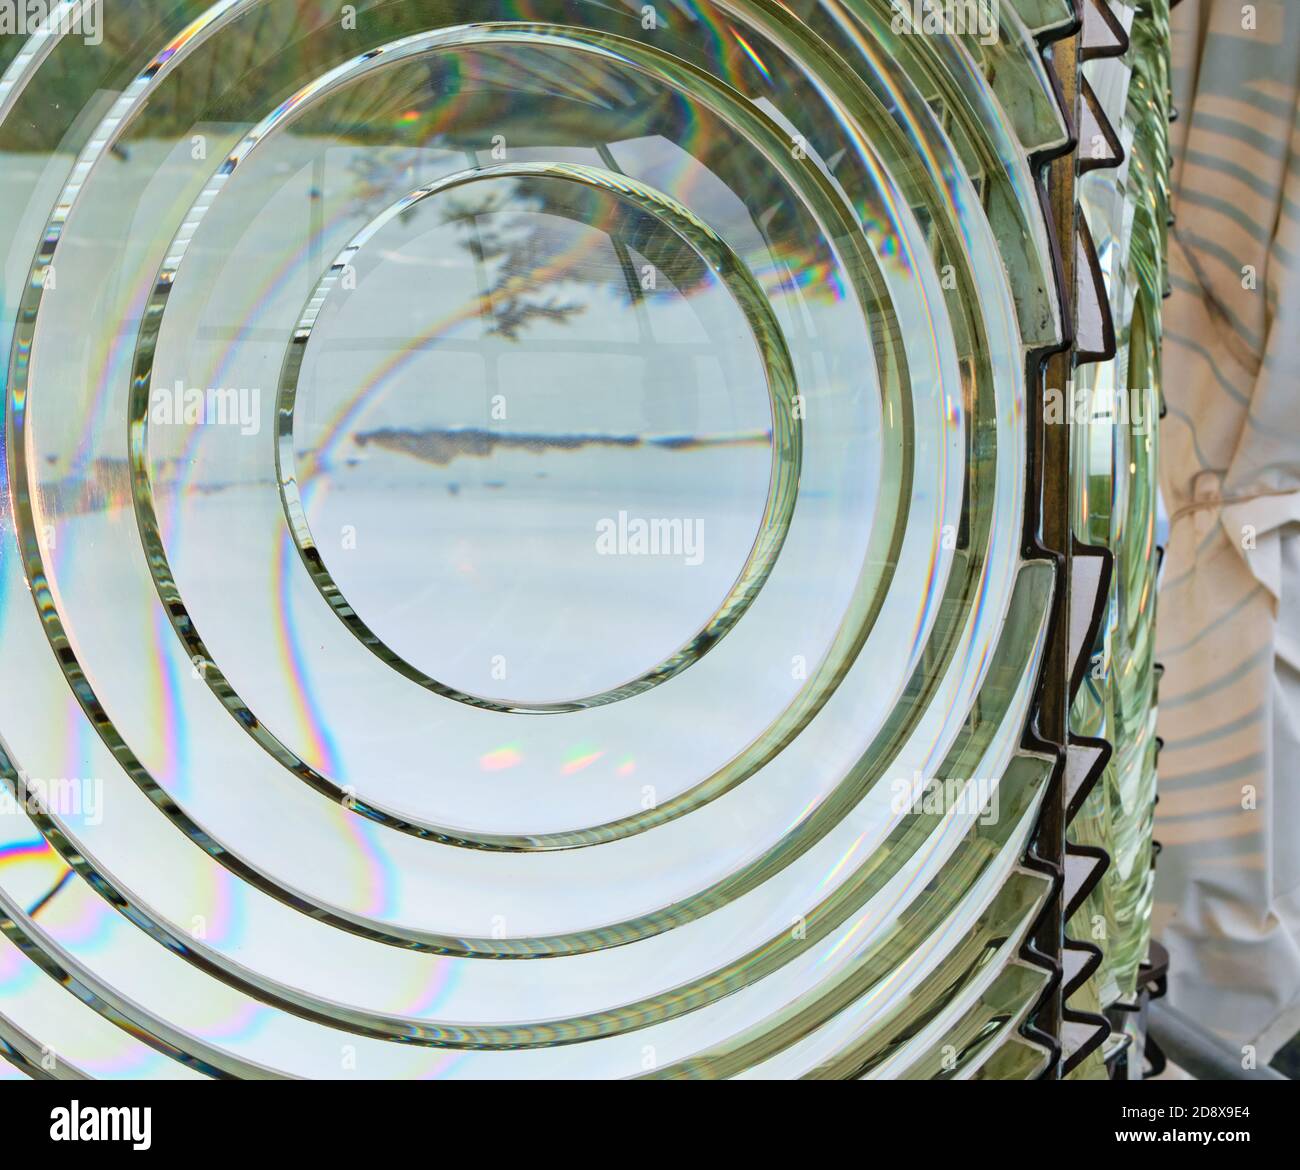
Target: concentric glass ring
<point>782,393</point>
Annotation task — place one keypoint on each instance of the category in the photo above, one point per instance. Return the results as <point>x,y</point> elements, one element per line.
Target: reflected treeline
<point>441,445</point>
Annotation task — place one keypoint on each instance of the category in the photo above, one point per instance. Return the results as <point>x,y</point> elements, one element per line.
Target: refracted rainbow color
<point>500,758</point>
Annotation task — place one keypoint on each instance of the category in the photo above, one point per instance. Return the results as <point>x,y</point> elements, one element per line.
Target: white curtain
<point>1228,880</point>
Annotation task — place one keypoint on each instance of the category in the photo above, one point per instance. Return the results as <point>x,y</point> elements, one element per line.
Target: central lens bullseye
<point>538,438</point>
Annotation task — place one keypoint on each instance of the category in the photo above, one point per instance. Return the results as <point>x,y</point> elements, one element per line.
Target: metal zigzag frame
<point>1105,800</point>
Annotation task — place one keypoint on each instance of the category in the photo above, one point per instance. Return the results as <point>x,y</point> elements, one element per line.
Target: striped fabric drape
<point>1228,881</point>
